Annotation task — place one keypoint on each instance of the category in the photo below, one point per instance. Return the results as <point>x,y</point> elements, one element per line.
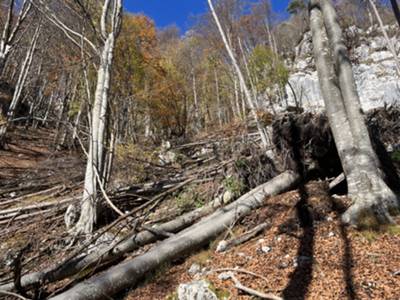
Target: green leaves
<point>267,69</point>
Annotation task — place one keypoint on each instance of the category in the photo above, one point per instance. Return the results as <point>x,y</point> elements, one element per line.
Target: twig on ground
<point>13,295</point>
<point>240,271</point>
<point>244,237</point>
<point>338,180</point>
<point>253,292</point>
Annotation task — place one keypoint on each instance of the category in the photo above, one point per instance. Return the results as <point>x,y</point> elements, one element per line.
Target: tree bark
<point>370,194</point>
<point>128,273</point>
<point>95,160</point>
<point>247,93</point>
<point>20,85</point>
<point>10,30</point>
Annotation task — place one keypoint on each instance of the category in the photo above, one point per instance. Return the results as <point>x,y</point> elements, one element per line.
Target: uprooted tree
<point>372,198</point>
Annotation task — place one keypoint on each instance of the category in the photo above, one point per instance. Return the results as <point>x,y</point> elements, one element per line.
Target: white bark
<point>26,65</point>
<point>7,41</point>
<point>371,195</point>
<point>197,125</point>
<point>130,272</point>
<point>95,160</point>
<point>247,93</point>
<point>219,106</point>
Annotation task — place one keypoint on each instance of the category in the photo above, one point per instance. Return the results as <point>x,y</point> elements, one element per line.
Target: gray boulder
<point>196,290</point>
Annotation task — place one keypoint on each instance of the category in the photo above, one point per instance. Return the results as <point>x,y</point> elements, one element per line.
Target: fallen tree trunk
<point>118,249</point>
<point>128,273</point>
<point>227,245</point>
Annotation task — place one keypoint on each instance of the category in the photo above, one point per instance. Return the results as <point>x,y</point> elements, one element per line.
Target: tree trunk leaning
<point>370,194</point>
<point>128,273</point>
<point>117,249</point>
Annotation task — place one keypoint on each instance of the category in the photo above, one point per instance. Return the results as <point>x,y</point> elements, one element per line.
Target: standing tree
<point>11,28</point>
<point>105,31</point>
<point>239,73</point>
<point>371,196</point>
<point>26,65</point>
<point>110,24</point>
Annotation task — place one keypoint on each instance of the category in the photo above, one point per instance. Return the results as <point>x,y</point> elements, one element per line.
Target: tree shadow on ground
<point>301,277</point>
<point>348,261</point>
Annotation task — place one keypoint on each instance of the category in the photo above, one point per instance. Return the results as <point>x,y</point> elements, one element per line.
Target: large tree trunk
<point>371,195</point>
<point>129,273</point>
<point>95,159</point>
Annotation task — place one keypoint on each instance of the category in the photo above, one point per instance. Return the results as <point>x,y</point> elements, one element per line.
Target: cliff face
<point>373,66</point>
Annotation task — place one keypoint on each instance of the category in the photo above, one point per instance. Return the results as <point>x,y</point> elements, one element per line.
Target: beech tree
<point>26,65</point>
<point>9,37</point>
<point>105,25</point>
<point>110,24</point>
<point>372,198</point>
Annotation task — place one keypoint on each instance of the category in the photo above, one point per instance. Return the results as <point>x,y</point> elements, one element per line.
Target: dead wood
<point>128,273</point>
<point>243,237</point>
<point>77,262</point>
<point>157,232</point>
<point>335,182</point>
<point>253,292</point>
<point>305,143</point>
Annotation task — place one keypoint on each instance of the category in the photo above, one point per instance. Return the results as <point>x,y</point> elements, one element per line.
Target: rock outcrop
<point>373,65</point>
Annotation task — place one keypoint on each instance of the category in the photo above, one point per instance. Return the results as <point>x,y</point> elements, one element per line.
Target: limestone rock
<point>194,269</point>
<point>196,290</point>
<point>373,66</point>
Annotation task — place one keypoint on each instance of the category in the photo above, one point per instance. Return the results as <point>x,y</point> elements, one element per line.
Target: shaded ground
<point>30,160</point>
<point>312,256</point>
<point>33,173</point>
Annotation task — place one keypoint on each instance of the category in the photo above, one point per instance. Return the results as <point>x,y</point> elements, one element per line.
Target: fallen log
<point>127,274</point>
<point>253,292</point>
<point>38,206</point>
<point>117,249</point>
<point>226,245</point>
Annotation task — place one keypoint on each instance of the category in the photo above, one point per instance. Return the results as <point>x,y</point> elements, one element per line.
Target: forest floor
<point>35,176</point>
<point>305,252</point>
